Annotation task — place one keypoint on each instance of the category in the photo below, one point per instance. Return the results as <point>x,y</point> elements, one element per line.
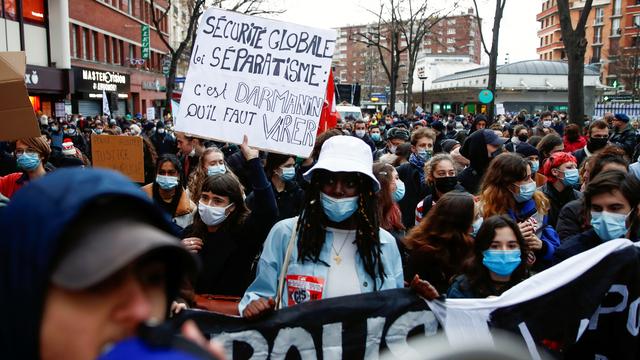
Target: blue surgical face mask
<point>375,137</point>
<point>571,177</point>
<point>288,173</point>
<point>216,169</point>
<point>501,262</point>
<point>526,192</point>
<point>338,210</point>
<point>424,155</point>
<point>167,182</point>
<point>399,193</point>
<point>28,161</point>
<point>476,226</point>
<point>608,225</point>
<point>535,166</point>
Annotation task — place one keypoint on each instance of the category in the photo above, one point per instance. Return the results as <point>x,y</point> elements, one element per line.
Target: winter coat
<point>558,200</point>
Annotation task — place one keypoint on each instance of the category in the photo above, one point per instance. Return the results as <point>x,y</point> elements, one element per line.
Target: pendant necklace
<point>337,258</point>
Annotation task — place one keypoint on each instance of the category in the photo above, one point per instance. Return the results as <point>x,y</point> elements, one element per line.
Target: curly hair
<point>505,170</point>
<point>311,226</point>
<point>432,164</point>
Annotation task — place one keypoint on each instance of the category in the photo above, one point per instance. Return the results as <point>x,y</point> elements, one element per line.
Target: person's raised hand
<point>248,152</point>
<point>258,308</point>
<point>424,288</point>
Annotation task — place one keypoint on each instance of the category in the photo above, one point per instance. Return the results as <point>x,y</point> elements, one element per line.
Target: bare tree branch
<point>484,44</point>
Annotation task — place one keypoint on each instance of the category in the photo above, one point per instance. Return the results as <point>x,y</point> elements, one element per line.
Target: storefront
<point>48,89</point>
<point>148,90</point>
<point>89,85</point>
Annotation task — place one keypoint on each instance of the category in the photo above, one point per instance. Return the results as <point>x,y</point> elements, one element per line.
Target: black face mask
<point>523,138</point>
<point>446,184</point>
<point>597,143</point>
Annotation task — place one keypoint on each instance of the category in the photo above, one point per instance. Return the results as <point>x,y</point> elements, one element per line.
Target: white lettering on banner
<point>396,338</point>
<point>332,341</point>
<point>616,288</point>
<point>251,337</point>
<point>302,341</point>
<point>298,338</point>
<point>257,77</point>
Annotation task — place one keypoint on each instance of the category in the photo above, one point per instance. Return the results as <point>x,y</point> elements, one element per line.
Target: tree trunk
<point>575,59</point>
<point>170,80</point>
<point>493,57</point>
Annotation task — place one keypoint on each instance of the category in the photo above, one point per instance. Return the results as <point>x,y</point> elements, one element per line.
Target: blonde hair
<point>431,165</point>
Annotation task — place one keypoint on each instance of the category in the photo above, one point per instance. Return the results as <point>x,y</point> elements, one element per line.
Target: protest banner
<point>584,308</point>
<point>120,153</point>
<point>257,77</point>
<point>17,118</point>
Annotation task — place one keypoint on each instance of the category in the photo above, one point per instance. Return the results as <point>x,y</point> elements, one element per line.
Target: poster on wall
<point>257,77</point>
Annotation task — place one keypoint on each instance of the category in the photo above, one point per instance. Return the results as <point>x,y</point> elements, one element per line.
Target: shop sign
<point>151,85</point>
<point>91,80</point>
<point>45,79</point>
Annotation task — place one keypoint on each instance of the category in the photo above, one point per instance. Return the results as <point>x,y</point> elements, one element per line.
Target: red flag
<point>329,117</point>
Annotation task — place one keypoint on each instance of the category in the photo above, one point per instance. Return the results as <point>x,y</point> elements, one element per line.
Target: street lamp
<point>404,86</point>
<point>423,78</point>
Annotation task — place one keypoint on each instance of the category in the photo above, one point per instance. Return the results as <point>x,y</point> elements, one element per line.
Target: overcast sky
<point>517,36</point>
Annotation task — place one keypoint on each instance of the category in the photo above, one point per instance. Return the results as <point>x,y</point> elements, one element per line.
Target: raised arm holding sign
<point>259,77</point>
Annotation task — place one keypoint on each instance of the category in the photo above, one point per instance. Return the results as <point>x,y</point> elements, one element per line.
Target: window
<point>617,7</point>
<point>74,41</point>
<point>116,53</point>
<point>94,55</point>
<point>451,41</point>
<point>428,51</point>
<point>132,52</point>
<point>636,20</point>
<point>596,54</point>
<point>599,16</point>
<point>451,31</point>
<point>451,21</point>
<point>83,44</point>
<point>107,49</point>
<point>33,11</point>
<point>427,42</point>
<point>615,27</point>
<point>450,49</point>
<point>597,35</point>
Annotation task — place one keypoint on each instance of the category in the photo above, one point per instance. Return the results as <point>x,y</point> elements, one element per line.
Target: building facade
<point>108,55</point>
<point>611,32</point>
<point>355,62</point>
<point>41,32</point>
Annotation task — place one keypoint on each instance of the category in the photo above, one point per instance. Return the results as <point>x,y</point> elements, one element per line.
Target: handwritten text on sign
<point>259,77</point>
<point>120,153</point>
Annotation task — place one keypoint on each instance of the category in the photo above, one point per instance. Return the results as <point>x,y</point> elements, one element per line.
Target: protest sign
<point>584,308</point>
<point>151,113</point>
<point>257,77</point>
<point>121,153</point>
<point>17,118</point>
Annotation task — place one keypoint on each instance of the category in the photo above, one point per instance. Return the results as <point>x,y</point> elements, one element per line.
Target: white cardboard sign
<point>263,78</point>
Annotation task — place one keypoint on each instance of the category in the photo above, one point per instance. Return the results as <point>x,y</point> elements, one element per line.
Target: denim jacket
<point>271,261</point>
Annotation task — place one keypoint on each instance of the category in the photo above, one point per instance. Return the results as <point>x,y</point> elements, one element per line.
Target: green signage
<point>145,41</point>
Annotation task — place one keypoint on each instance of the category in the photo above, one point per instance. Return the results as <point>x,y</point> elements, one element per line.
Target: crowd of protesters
<point>462,206</point>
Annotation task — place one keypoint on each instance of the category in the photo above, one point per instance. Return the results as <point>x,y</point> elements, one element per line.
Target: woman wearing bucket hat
<point>336,247</point>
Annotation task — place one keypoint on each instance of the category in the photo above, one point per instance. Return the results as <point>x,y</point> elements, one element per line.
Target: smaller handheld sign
<point>120,153</point>
<point>485,96</point>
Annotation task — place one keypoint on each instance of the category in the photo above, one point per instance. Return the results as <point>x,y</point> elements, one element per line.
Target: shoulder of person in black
<point>576,244</point>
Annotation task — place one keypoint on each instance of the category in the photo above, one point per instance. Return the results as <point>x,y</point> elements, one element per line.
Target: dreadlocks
<point>312,233</point>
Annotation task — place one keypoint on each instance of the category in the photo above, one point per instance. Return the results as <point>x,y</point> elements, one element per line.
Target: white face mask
<point>212,215</point>
<point>360,133</point>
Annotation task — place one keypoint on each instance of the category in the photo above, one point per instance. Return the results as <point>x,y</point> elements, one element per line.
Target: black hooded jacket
<point>474,149</point>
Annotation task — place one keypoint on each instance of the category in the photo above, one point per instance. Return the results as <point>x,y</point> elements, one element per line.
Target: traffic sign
<point>145,41</point>
<point>485,96</point>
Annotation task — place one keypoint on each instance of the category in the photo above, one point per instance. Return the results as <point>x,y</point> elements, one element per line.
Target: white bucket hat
<point>345,154</point>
